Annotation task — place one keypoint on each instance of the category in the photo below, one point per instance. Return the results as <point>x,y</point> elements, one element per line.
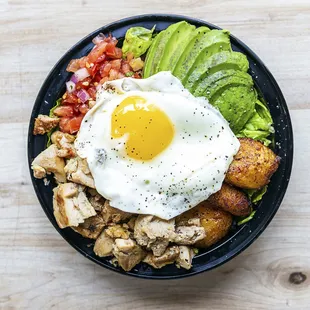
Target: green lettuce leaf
<point>248,218</point>
<point>256,195</point>
<point>259,126</point>
<point>137,41</point>
<point>51,114</point>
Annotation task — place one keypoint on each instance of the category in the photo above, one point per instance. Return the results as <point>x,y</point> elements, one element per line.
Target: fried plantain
<point>253,165</point>
<point>231,200</point>
<point>216,222</point>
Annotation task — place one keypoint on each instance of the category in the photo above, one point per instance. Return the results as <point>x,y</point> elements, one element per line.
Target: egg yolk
<point>149,129</point>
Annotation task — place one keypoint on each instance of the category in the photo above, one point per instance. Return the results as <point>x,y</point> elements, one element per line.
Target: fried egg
<point>153,148</point>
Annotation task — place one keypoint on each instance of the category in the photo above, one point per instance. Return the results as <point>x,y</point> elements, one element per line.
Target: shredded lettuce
<point>256,195</point>
<point>247,219</point>
<point>137,41</point>
<point>51,114</point>
<point>259,126</point>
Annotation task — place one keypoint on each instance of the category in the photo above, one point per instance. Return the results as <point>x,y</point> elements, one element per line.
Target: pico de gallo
<point>104,63</point>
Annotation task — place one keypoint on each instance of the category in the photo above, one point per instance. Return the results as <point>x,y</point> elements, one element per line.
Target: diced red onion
<point>99,38</point>
<point>70,86</point>
<point>80,75</point>
<point>83,95</point>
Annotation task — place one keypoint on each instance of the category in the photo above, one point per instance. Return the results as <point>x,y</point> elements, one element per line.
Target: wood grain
<point>39,270</point>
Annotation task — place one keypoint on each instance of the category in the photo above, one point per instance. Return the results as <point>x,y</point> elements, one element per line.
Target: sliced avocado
<point>150,55</point>
<point>208,44</point>
<point>188,54</point>
<point>210,80</point>
<point>237,105</point>
<point>157,48</point>
<point>220,61</point>
<point>175,46</point>
<point>239,78</point>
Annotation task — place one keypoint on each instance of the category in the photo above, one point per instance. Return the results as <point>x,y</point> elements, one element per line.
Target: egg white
<point>187,172</point>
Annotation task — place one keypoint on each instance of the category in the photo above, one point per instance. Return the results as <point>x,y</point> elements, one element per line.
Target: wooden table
<point>38,269</point>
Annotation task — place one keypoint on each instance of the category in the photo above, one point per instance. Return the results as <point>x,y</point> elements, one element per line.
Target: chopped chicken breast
<point>113,215</point>
<point>154,233</point>
<point>44,123</point>
<point>117,231</point>
<point>128,253</point>
<point>71,206</point>
<point>185,258</point>
<point>168,257</point>
<point>91,228</point>
<point>78,172</point>
<point>64,143</point>
<point>104,245</point>
<point>50,163</point>
<point>188,235</point>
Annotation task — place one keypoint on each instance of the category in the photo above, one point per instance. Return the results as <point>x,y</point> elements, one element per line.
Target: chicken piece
<point>91,228</point>
<point>117,231</point>
<point>170,255</point>
<point>127,253</point>
<point>71,206</point>
<point>253,165</point>
<point>104,245</point>
<point>113,215</point>
<point>78,172</point>
<point>64,143</point>
<point>154,233</point>
<point>185,258</point>
<point>188,235</point>
<point>97,201</point>
<point>49,162</point>
<point>131,223</point>
<point>231,200</point>
<point>44,124</point>
<point>38,172</point>
<point>216,222</point>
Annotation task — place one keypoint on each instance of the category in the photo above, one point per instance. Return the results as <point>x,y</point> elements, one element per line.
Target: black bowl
<point>240,237</point>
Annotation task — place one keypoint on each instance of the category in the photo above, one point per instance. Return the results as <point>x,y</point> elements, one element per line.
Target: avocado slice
<point>217,62</point>
<point>175,46</point>
<point>205,46</point>
<point>239,78</point>
<point>237,104</point>
<point>189,52</point>
<point>150,55</point>
<point>157,48</point>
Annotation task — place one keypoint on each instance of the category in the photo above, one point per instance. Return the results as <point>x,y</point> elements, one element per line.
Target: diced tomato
<point>126,67</point>
<point>83,61</point>
<point>101,58</point>
<point>103,80</point>
<point>105,69</point>
<point>92,92</point>
<point>113,51</point>
<point>116,64</point>
<point>83,84</point>
<point>73,65</point>
<point>83,108</point>
<point>64,110</point>
<point>113,74</point>
<point>97,52</point>
<point>70,98</point>
<point>63,124</point>
<point>70,125</point>
<point>75,123</point>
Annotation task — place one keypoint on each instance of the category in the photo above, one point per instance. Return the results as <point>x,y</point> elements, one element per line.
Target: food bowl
<point>239,237</point>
